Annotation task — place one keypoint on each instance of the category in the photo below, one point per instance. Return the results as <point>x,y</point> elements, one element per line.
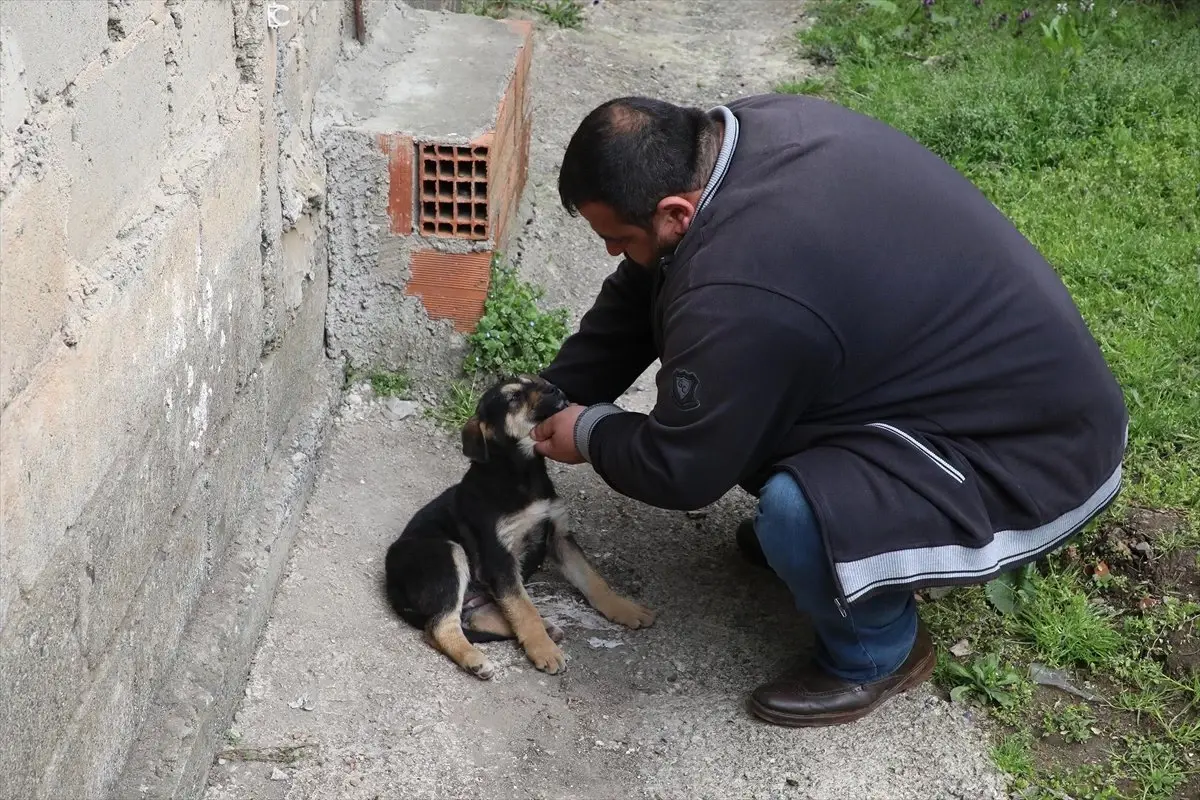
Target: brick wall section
<point>400,153</point>
<point>446,190</point>
<point>451,286</point>
<point>513,129</point>
<point>163,286</point>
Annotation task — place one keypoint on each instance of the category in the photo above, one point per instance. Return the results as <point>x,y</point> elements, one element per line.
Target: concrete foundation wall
<point>163,378</point>
<point>426,137</point>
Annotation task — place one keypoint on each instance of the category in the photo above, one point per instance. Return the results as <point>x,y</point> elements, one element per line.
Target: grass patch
<point>514,336</point>
<point>391,384</point>
<point>563,13</point>
<point>456,406</point>
<point>1082,124</point>
<point>385,383</point>
<point>1064,626</point>
<point>1012,754</point>
<point>1075,722</point>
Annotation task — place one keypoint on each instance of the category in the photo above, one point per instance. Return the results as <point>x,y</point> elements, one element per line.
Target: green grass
<point>456,406</point>
<point>385,383</point>
<point>514,336</point>
<point>1099,166</point>
<point>1012,754</point>
<point>390,384</point>
<point>1086,133</point>
<point>563,13</point>
<point>1075,722</point>
<point>1063,624</point>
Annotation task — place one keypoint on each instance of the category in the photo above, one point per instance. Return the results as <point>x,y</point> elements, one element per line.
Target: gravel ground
<point>345,701</point>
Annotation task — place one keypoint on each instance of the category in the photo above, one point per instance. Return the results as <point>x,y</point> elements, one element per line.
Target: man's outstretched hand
<point>555,438</point>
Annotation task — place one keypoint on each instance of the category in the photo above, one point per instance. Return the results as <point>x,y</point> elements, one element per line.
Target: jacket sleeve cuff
<point>586,422</point>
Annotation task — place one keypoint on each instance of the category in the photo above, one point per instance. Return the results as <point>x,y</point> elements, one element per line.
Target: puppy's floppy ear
<point>474,442</point>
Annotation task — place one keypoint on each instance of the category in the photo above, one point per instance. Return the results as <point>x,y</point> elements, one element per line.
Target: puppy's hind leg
<point>489,622</point>
<point>444,582</point>
<point>600,596</point>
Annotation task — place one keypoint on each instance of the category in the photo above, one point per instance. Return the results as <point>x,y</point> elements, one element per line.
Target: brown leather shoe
<point>810,697</point>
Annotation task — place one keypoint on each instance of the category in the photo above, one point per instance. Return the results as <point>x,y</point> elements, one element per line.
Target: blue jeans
<point>860,642</point>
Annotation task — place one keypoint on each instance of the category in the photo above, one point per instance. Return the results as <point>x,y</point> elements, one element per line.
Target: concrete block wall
<point>163,378</point>
<point>426,137</point>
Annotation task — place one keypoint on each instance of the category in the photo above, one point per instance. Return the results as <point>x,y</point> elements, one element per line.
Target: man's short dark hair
<point>631,152</point>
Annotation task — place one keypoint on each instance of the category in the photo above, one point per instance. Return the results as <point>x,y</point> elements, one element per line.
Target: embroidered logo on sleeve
<point>684,388</point>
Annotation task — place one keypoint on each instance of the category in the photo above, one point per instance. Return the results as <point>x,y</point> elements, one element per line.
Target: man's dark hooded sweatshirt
<point>847,307</point>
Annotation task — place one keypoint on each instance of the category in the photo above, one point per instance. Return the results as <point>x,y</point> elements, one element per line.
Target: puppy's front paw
<point>546,656</point>
<point>628,613</point>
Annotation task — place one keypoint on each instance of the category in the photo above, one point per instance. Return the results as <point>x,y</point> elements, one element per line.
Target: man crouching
<point>850,331</point>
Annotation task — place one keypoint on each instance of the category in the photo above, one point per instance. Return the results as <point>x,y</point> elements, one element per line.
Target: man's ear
<point>674,215</point>
<point>474,440</point>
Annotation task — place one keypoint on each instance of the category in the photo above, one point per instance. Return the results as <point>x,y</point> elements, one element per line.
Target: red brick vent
<point>454,191</point>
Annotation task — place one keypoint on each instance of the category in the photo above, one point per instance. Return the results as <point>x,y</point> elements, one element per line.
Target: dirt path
<point>657,713</point>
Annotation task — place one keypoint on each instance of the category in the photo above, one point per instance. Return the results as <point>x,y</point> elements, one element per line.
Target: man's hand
<point>555,438</point>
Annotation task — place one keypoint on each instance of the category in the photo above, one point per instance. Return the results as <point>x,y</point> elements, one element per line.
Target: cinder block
<point>172,334</point>
<point>201,61</point>
<point>126,525</point>
<point>451,285</point>
<point>42,671</point>
<point>125,16</point>
<point>229,256</point>
<point>292,370</point>
<point>126,104</point>
<point>457,90</point>
<point>134,337</point>
<point>53,41</point>
<point>33,274</point>
<point>91,750</point>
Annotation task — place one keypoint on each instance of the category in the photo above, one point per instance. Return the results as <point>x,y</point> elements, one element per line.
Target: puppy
<point>458,569</point>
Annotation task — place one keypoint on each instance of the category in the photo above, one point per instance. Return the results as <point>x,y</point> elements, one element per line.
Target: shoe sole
<point>922,673</point>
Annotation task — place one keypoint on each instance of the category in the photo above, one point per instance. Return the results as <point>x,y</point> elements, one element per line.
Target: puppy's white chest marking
<point>514,529</point>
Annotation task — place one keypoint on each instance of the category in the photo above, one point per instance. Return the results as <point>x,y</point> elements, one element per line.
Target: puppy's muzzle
<point>552,401</point>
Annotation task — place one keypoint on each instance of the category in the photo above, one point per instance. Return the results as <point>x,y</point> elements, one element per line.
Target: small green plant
<point>456,406</point>
<point>985,677</point>
<point>808,85</point>
<point>1012,590</point>
<point>514,335</point>
<point>1012,755</point>
<point>922,23</point>
<point>1074,722</point>
<point>1064,625</point>
<point>1154,767</point>
<point>563,13</point>
<point>390,384</point>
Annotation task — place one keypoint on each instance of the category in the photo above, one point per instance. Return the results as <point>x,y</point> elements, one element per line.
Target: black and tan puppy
<point>458,569</point>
